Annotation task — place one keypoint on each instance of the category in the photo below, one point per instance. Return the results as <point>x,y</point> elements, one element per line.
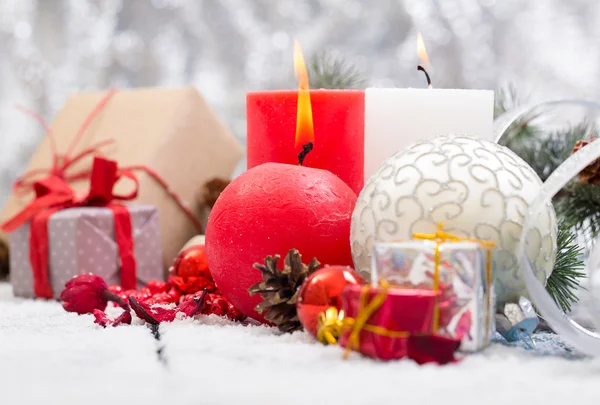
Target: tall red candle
<point>338,119</point>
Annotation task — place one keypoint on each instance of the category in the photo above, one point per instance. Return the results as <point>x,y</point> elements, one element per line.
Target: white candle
<point>396,118</point>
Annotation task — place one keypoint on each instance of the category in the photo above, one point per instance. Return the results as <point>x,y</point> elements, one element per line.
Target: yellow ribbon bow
<point>332,324</point>
<point>441,237</point>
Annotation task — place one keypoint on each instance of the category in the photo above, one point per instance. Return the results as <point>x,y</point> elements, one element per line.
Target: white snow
<point>49,356</point>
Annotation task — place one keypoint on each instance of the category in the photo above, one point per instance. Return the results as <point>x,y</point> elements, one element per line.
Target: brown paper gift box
<point>172,131</point>
<point>82,240</point>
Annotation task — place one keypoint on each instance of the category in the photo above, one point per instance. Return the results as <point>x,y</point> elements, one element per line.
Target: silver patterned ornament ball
<point>477,188</point>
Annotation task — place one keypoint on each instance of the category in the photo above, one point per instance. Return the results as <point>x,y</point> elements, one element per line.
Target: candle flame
<point>421,51</point>
<point>304,121</point>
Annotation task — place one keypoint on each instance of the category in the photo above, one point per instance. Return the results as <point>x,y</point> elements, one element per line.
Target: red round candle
<point>269,210</point>
<point>339,121</point>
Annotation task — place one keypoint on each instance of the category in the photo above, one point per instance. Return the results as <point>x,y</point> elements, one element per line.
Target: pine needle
<point>577,206</point>
<point>580,208</point>
<point>329,71</point>
<point>568,269</point>
<point>548,152</point>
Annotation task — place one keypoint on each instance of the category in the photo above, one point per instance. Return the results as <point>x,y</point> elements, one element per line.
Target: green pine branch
<point>547,152</point>
<point>543,151</point>
<point>567,274</point>
<point>329,71</point>
<point>558,146</point>
<point>577,206</point>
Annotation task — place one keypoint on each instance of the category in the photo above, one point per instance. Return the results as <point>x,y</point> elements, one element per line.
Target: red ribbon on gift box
<point>53,193</point>
<point>62,163</point>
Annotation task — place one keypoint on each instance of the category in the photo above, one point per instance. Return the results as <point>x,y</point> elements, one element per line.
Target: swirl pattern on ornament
<point>477,188</point>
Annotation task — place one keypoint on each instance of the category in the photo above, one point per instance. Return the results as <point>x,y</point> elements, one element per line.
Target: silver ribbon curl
<point>582,339</point>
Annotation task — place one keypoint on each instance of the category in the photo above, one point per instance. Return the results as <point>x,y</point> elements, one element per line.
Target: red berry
<point>219,306</point>
<point>117,289</point>
<point>162,298</point>
<point>157,287</point>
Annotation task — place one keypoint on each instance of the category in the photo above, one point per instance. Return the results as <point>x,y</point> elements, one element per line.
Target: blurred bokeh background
<point>51,48</point>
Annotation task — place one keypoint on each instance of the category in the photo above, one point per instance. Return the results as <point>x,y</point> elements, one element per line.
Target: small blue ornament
<point>517,322</point>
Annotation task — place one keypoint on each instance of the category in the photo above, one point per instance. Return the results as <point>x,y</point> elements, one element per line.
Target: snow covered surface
<point>50,356</point>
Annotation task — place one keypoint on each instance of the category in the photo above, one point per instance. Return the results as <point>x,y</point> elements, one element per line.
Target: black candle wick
<point>422,69</point>
<point>305,151</point>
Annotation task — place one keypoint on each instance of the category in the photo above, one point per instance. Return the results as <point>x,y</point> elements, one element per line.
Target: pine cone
<point>279,289</point>
<point>591,174</point>
<point>4,263</point>
<point>212,191</point>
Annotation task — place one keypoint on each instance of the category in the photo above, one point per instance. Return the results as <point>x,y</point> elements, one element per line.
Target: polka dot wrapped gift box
<point>82,240</point>
<point>61,234</point>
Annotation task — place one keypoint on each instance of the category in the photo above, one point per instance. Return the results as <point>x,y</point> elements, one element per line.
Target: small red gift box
<point>390,324</point>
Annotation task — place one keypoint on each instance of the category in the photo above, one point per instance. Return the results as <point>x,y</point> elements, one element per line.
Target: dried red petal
<point>103,320</point>
<point>164,314</point>
<point>193,306</point>
<point>84,293</point>
<point>219,306</point>
<point>152,315</point>
<point>142,311</point>
<point>123,319</point>
<point>206,310</point>
<point>234,315</point>
<point>155,314</point>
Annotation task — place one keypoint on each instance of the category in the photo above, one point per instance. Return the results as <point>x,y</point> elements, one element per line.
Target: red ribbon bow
<point>53,194</point>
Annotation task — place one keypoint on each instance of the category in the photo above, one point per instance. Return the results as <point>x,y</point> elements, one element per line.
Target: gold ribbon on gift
<point>332,324</point>
<point>442,237</point>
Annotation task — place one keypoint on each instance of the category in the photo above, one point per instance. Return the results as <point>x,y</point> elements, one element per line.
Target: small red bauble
<point>269,210</point>
<point>190,271</point>
<point>322,290</point>
<point>191,262</point>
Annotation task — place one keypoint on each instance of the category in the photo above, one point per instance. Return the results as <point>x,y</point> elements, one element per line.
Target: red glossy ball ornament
<point>269,210</point>
<point>322,290</point>
<point>191,262</point>
<point>190,273</point>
